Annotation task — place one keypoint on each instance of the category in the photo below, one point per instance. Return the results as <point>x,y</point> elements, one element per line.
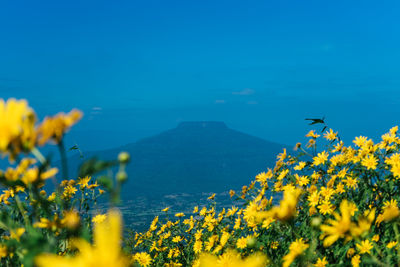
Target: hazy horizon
<point>140,67</point>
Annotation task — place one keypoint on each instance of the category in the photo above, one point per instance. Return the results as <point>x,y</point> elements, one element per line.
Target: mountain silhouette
<point>194,157</point>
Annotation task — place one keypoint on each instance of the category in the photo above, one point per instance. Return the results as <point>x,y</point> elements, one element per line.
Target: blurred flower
<point>54,128</point>
<point>105,252</point>
<point>296,248</point>
<point>364,247</point>
<point>17,121</point>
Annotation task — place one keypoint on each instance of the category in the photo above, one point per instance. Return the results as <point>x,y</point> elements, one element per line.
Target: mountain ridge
<point>193,157</point>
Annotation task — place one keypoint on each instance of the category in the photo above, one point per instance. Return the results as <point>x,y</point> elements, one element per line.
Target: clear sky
<point>136,68</point>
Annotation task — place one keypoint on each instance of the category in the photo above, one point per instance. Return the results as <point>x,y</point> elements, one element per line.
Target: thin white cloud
<point>220,101</point>
<point>95,111</point>
<point>246,91</point>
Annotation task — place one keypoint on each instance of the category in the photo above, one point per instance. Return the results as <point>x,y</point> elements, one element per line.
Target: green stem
<point>396,231</point>
<point>21,210</point>
<point>38,155</point>
<point>378,262</point>
<point>64,164</point>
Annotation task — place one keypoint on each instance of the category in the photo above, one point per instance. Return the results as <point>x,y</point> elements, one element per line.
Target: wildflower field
<point>324,204</point>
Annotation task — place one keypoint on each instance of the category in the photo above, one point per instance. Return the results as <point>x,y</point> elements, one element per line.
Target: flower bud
<point>316,222</point>
<point>251,242</point>
<point>124,157</point>
<point>122,177</point>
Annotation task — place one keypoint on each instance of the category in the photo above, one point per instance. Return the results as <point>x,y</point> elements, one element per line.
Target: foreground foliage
<point>41,217</point>
<point>325,205</point>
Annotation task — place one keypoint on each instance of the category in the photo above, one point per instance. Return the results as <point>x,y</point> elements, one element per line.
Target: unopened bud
<point>124,157</point>
<point>122,177</point>
<point>316,222</point>
<point>251,242</point>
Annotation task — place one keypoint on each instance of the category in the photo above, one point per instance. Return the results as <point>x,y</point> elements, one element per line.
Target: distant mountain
<point>192,158</point>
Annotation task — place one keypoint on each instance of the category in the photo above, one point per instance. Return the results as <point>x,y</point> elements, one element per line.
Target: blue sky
<point>136,68</point>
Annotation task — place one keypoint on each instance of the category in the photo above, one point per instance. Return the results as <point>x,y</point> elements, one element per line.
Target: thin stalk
<point>21,210</point>
<point>396,231</point>
<point>378,262</point>
<point>39,155</point>
<point>64,164</point>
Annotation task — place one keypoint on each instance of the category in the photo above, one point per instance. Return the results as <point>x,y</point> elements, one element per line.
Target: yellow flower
<point>355,261</point>
<point>224,238</point>
<point>326,208</point>
<point>364,223</point>
<point>282,174</point>
<point>69,191</point>
<point>71,219</point>
<point>180,214</point>
<point>350,182</point>
<point>312,134</point>
<point>295,249</point>
<point>17,233</point>
<point>142,258</point>
<point>197,246</point>
<point>303,180</point>
<point>330,135</point>
<point>105,252</point>
<point>49,224</point>
<point>364,247</point>
<point>369,162</point>
<point>297,146</point>
<point>375,238</point>
<point>286,209</point>
<point>310,143</point>
<point>340,188</point>
<point>84,182</point>
<point>232,211</point>
<point>338,228</point>
<point>391,244</point>
<point>313,198</point>
<point>177,239</point>
<point>261,177</point>
<point>390,210</point>
<point>321,262</point>
<point>211,197</point>
<point>176,264</point>
<point>321,158</point>
<point>99,218</point>
<point>282,156</point>
<point>232,259</point>
<point>17,121</point>
<point>54,128</point>
<point>31,175</point>
<point>3,251</point>
<point>48,174</point>
<point>350,252</point>
<point>165,209</point>
<point>52,197</point>
<point>241,242</point>
<point>360,141</point>
<point>300,166</point>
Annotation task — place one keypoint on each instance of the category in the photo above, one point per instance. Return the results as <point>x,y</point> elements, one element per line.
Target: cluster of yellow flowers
<point>19,132</point>
<point>50,229</point>
<point>104,252</point>
<point>335,206</point>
